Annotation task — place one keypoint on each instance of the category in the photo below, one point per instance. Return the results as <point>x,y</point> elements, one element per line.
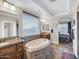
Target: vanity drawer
<point>20,52</point>
<point>7,49</point>
<point>20,46</point>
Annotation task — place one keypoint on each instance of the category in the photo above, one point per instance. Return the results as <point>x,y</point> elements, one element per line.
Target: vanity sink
<point>4,44</point>
<point>37,44</point>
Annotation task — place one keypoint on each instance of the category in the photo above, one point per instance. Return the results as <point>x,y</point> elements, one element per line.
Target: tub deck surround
<point>39,49</point>
<point>37,44</point>
<point>29,38</point>
<point>41,35</point>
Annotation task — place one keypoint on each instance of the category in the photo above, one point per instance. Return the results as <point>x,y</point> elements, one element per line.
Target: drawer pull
<point>36,54</point>
<point>19,49</point>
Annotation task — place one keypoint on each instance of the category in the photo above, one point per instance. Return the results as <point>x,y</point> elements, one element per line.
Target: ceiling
<point>31,7</point>
<point>46,8</point>
<point>43,7</point>
<point>55,7</point>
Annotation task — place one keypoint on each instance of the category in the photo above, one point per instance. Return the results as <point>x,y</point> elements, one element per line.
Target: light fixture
<point>8,5</point>
<point>43,20</point>
<point>12,7</point>
<point>5,4</point>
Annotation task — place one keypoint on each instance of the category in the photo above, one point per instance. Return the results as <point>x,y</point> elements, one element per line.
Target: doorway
<point>65,33</point>
<point>78,34</point>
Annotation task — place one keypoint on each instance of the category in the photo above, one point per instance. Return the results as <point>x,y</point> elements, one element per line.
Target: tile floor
<point>58,50</point>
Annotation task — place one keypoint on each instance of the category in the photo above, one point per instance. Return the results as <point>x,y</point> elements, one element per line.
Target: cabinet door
<point>19,57</point>
<point>48,55</point>
<point>20,51</point>
<point>39,56</point>
<point>20,54</point>
<point>11,55</point>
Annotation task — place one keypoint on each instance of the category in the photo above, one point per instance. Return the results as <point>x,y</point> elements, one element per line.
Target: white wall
<point>54,26</point>
<point>20,22</point>
<point>1,29</point>
<point>75,27</point>
<point>75,40</point>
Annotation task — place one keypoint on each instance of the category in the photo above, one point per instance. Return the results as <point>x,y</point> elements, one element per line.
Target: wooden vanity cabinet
<point>12,52</point>
<point>45,35</point>
<point>20,51</point>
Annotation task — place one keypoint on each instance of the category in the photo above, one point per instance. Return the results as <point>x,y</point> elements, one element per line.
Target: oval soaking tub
<point>37,44</point>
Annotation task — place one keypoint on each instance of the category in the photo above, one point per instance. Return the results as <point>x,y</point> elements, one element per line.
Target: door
<point>9,54</point>
<point>41,56</point>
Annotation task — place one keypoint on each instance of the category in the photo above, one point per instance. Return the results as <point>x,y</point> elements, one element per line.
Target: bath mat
<point>68,56</point>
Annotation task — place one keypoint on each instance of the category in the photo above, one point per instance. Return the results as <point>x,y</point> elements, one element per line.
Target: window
<point>30,25</point>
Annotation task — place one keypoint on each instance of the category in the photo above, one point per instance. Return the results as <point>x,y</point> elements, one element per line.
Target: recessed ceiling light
<point>5,4</point>
<point>43,20</point>
<point>13,7</point>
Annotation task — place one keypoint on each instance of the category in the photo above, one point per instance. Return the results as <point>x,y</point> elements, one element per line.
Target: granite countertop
<point>11,42</point>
